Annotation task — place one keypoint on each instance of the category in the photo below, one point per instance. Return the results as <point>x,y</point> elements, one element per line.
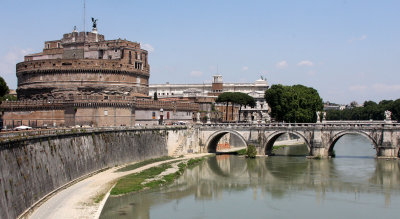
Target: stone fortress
<point>84,64</point>
<point>85,80</point>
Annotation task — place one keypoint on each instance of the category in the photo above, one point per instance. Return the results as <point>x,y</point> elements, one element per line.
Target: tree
<point>3,87</point>
<point>244,100</point>
<point>239,98</point>
<point>295,103</point>
<point>251,151</point>
<point>225,97</point>
<point>354,104</point>
<point>370,110</point>
<point>155,96</point>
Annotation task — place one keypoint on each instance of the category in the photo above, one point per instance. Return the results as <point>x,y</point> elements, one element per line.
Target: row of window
<point>165,93</point>
<point>48,45</point>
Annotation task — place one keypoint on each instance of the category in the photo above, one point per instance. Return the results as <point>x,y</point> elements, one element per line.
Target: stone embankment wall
<point>33,166</point>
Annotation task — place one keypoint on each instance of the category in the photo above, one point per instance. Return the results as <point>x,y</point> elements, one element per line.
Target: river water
<point>352,185</point>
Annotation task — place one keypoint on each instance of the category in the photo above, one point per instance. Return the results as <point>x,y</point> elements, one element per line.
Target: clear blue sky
<point>346,49</point>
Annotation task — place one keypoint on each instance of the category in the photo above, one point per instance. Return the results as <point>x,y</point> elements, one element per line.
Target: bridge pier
<point>387,152</point>
<point>319,152</point>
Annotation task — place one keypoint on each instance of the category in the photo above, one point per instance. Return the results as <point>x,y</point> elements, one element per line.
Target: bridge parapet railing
<point>13,135</point>
<point>339,125</point>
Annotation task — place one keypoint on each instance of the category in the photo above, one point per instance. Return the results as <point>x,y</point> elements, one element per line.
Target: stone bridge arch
<point>339,135</point>
<point>272,137</point>
<point>212,141</point>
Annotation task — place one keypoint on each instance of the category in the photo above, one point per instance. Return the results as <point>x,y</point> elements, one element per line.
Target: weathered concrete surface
<point>34,166</point>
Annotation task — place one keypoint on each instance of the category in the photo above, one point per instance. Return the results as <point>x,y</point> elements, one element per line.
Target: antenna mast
<point>84,21</point>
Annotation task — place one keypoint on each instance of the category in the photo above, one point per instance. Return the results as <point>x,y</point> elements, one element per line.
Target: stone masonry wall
<point>32,168</point>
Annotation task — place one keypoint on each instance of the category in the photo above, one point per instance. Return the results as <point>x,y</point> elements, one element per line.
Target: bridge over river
<point>54,157</point>
<point>320,138</point>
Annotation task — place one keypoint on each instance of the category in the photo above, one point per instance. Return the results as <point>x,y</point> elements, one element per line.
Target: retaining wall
<point>33,166</point>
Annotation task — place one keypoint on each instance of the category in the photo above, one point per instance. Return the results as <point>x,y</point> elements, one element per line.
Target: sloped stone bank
<point>31,168</point>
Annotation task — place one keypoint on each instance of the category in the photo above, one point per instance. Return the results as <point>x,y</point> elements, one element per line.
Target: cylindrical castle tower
<point>84,64</point>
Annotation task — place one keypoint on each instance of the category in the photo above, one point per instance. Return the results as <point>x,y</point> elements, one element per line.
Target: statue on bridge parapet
<point>265,117</point>
<point>318,118</point>
<point>388,116</point>
<point>323,117</point>
<point>208,118</point>
<point>249,117</point>
<point>198,118</point>
<point>256,119</point>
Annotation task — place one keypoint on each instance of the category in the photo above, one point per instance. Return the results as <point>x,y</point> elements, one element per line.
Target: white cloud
<point>282,64</point>
<point>245,68</point>
<point>358,88</point>
<point>386,87</point>
<point>305,63</point>
<point>8,61</point>
<point>196,73</point>
<point>148,47</point>
<point>361,38</point>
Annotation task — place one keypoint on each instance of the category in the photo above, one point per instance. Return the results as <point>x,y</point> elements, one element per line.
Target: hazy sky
<point>346,49</point>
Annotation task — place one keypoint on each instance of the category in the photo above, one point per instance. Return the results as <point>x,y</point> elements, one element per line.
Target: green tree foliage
<point>251,151</point>
<point>225,97</point>
<point>370,110</point>
<point>3,87</point>
<point>8,97</point>
<point>295,103</point>
<point>239,98</point>
<point>155,96</point>
<point>243,100</point>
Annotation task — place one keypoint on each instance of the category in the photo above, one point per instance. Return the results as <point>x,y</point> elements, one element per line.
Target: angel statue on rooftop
<point>94,23</point>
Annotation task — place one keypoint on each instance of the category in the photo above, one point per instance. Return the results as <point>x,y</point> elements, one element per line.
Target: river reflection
<point>233,187</point>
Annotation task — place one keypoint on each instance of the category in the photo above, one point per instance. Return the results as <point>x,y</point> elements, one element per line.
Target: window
<point>58,45</point>
<point>48,46</point>
<point>105,112</point>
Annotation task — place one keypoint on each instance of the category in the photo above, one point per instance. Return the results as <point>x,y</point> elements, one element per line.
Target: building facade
<point>210,91</point>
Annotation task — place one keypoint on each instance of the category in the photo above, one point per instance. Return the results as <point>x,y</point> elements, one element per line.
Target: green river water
<point>352,185</point>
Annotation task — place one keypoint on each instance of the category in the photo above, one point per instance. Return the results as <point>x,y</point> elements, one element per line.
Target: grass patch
<point>98,198</point>
<point>194,161</point>
<point>279,146</point>
<point>143,163</point>
<point>134,182</point>
<point>241,152</point>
